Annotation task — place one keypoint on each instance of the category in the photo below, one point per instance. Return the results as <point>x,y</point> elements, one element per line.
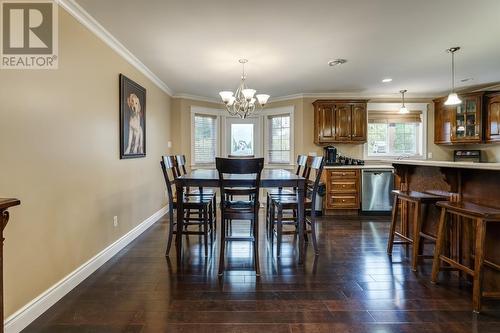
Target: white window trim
<point>423,107</point>
<point>286,110</point>
<point>208,112</point>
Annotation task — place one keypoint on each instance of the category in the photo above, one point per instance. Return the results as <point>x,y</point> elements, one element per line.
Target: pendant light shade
<point>403,109</point>
<point>453,98</point>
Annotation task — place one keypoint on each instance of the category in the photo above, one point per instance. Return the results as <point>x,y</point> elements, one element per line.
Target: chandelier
<point>243,103</point>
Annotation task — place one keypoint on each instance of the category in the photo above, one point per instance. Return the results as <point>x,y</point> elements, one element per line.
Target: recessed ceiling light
<point>336,62</point>
<point>387,80</point>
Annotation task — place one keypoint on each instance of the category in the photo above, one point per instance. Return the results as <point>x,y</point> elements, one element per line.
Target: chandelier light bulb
<point>262,98</point>
<point>248,93</point>
<point>403,109</point>
<point>226,96</point>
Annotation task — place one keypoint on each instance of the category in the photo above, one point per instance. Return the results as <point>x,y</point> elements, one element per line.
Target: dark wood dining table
<point>270,178</point>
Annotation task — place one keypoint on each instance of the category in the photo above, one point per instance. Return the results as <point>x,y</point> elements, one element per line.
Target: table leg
<point>179,189</point>
<point>300,217</point>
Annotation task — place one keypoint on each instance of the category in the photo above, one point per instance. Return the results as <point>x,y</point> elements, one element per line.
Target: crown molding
<point>197,98</point>
<point>82,16</point>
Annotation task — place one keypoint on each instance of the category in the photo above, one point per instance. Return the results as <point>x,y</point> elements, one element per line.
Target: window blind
<point>279,139</point>
<point>387,117</point>
<point>205,139</point>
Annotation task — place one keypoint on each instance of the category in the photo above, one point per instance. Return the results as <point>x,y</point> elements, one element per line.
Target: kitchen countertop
<point>366,166</point>
<point>450,164</point>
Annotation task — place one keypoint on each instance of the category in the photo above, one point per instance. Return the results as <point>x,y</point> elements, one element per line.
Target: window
<point>205,139</point>
<point>279,139</point>
<point>242,143</point>
<point>392,134</point>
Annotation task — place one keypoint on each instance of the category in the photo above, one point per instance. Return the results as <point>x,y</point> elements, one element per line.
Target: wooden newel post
<point>5,204</point>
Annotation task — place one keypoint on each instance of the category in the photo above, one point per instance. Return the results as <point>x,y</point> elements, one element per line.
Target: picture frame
<point>132,119</point>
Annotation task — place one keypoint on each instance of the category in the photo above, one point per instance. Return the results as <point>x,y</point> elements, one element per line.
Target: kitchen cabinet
<point>340,121</point>
<point>342,190</point>
<point>493,117</point>
<point>474,121</point>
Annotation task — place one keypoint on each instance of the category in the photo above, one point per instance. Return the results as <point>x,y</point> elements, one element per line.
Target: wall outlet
<point>429,155</point>
<point>169,144</point>
<point>115,221</point>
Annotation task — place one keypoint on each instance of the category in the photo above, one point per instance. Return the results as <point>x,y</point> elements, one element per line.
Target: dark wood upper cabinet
<point>343,122</point>
<point>474,121</point>
<point>340,121</point>
<point>324,122</point>
<point>493,117</point>
<point>358,122</point>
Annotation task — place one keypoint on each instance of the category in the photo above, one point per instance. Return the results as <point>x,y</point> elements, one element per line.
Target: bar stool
<point>480,216</point>
<point>416,199</point>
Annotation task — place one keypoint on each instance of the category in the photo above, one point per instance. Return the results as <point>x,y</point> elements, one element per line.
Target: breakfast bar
<point>473,183</point>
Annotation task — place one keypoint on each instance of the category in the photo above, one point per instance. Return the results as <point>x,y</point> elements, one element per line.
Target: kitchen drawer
<point>344,186</point>
<point>343,201</point>
<point>340,174</point>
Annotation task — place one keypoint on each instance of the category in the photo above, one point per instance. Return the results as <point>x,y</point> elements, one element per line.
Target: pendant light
<point>403,108</point>
<point>453,97</point>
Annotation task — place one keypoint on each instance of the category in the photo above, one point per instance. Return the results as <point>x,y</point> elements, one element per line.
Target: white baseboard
<point>28,313</point>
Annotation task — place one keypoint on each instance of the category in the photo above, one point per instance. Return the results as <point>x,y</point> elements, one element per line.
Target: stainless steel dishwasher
<point>377,185</point>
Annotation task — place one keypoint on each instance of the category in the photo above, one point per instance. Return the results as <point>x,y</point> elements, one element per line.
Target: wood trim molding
<point>31,311</point>
<point>82,16</point>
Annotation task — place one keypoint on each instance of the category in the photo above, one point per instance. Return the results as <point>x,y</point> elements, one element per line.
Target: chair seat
<point>289,202</point>
<point>207,192</point>
<point>200,200</point>
<point>472,209</point>
<point>418,196</point>
<point>277,192</point>
<point>240,204</point>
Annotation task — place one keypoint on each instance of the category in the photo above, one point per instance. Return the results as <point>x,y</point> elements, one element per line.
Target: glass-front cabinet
<point>459,124</point>
<point>467,126</point>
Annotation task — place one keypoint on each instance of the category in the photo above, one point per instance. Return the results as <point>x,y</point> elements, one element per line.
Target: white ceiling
<point>194,46</point>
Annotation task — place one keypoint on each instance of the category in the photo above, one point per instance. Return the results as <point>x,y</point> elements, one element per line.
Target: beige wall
<point>59,144</point>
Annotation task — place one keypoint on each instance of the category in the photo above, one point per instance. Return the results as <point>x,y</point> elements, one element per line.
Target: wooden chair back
<point>301,163</point>
<point>180,167</point>
<point>248,166</point>
<point>315,163</point>
<point>168,167</point>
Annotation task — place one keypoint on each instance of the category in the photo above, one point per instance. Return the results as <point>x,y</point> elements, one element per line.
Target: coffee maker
<point>330,155</point>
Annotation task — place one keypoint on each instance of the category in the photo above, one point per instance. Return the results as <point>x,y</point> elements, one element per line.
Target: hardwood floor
<point>353,286</point>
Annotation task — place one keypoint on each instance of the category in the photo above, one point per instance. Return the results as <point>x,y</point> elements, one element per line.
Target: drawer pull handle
<point>343,200</point>
<point>343,185</point>
<point>343,173</point>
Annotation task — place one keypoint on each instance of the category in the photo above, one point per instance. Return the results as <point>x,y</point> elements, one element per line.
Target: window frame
<point>422,107</point>
<point>216,113</point>
<point>286,110</point>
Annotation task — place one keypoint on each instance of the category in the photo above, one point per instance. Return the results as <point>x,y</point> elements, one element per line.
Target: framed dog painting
<point>132,119</point>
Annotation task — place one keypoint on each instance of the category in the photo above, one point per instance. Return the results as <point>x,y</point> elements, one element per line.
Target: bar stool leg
<point>417,226</point>
<point>478,265</point>
<point>394,219</point>
<point>439,246</point>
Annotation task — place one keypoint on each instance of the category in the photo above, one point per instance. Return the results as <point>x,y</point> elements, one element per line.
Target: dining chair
<point>180,170</point>
<point>280,203</point>
<point>200,205</point>
<point>301,166</point>
<point>240,209</point>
